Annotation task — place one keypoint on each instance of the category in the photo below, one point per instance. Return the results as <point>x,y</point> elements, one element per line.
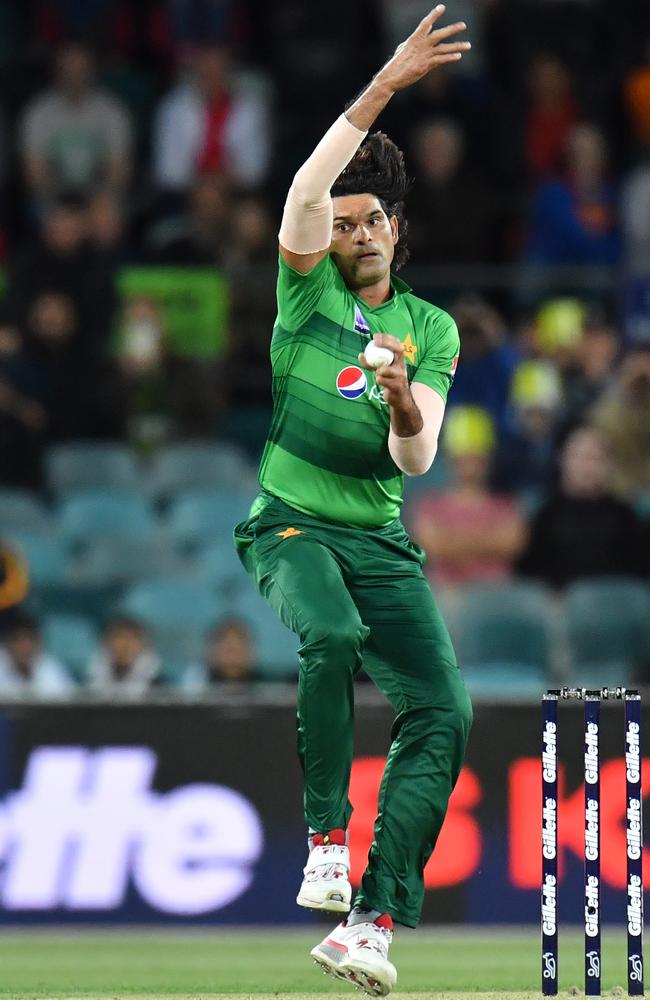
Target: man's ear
<point>394,228</point>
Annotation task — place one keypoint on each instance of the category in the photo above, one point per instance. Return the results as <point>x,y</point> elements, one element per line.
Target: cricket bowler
<point>361,371</point>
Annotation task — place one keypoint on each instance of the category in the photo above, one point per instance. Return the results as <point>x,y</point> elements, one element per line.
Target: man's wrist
<point>406,419</point>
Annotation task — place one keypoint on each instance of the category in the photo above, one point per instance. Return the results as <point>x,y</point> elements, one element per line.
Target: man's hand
<point>422,51</point>
<point>392,378</point>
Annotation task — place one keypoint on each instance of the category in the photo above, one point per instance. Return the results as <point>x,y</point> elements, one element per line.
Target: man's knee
<point>336,645</point>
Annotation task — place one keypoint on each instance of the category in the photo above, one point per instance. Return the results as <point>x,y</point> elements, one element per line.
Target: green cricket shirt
<point>327,452</point>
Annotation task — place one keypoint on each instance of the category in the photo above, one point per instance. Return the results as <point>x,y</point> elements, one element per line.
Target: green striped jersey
<point>327,451</point>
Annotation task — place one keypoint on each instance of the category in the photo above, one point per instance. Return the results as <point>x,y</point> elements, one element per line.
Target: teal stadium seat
<point>21,510</point>
<point>46,555</point>
<point>122,561</point>
<point>195,466</point>
<point>95,514</point>
<point>205,517</point>
<point>503,635</point>
<point>91,465</point>
<point>179,613</point>
<point>608,629</point>
<point>72,640</point>
<point>277,646</point>
<point>221,569</point>
<point>183,602</point>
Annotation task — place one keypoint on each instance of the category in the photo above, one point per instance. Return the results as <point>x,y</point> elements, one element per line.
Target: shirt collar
<point>398,287</point>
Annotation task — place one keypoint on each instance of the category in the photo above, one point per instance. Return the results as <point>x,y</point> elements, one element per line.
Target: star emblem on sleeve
<point>410,349</point>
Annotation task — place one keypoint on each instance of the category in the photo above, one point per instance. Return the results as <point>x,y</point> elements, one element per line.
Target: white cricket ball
<point>377,356</point>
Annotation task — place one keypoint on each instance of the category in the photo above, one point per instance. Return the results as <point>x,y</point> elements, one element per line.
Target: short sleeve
<point>299,294</point>
<point>438,363</point>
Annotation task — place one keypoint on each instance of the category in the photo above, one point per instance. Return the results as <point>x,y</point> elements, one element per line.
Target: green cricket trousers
<point>359,598</point>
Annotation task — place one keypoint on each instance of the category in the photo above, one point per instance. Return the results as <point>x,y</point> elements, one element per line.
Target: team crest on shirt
<point>360,322</point>
<point>351,382</point>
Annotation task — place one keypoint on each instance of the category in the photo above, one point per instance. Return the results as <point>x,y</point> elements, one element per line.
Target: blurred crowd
<point>145,151</point>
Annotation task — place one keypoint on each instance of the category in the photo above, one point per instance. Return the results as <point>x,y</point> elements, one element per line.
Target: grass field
<point>432,964</point>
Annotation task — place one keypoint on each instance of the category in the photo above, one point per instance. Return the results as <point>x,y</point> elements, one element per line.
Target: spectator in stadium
<point>126,664</point>
<point>25,668</point>
<point>592,371</point>
<point>468,533</point>
<point>230,658</point>
<point>525,459</point>
<point>489,360</point>
<point>252,237</point>
<point>199,233</point>
<point>22,418</point>
<point>451,208</point>
<point>551,115</point>
<point>583,530</point>
<point>54,261</point>
<point>575,220</point>
<point>75,136</point>
<point>212,121</point>
<point>623,417</point>
<point>635,216</point>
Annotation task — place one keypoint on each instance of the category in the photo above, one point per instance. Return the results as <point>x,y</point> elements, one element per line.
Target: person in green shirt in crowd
<point>324,542</point>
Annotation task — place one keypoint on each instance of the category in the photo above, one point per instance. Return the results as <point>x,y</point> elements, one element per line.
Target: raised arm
<point>306,230</point>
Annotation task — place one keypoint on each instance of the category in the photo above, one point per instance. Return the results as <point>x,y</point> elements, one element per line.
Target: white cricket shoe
<point>326,885</point>
<point>359,955</point>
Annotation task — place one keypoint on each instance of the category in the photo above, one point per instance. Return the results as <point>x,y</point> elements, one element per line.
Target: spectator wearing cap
<point>623,417</point>
<point>583,530</point>
<point>526,455</point>
<point>125,665</point>
<point>469,533</point>
<point>230,658</point>
<point>75,136</point>
<point>25,668</point>
<point>212,121</point>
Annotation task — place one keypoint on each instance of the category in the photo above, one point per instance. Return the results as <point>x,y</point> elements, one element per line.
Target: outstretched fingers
<point>444,49</point>
<point>443,33</point>
<point>426,24</point>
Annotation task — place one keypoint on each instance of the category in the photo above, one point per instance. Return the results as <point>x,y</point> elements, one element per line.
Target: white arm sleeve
<point>415,455</point>
<point>308,216</point>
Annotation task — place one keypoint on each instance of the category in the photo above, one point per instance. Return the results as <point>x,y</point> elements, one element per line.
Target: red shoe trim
<point>335,944</point>
<point>385,920</point>
<point>331,837</point>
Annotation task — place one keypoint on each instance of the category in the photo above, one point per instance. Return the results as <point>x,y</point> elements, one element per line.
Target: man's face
<point>363,240</point>
<point>124,645</point>
<point>23,647</point>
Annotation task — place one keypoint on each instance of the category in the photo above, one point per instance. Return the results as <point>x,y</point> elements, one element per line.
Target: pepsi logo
<point>351,382</point>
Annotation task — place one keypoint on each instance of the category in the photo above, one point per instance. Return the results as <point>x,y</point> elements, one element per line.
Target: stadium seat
<point>172,603</point>
<point>95,514</point>
<point>221,569</point>
<point>72,640</point>
<point>205,517</point>
<point>608,629</point>
<point>91,465</point>
<point>507,625</point>
<point>177,648</point>
<point>21,510</point>
<point>197,466</point>
<point>505,681</point>
<point>110,561</point>
<point>277,646</point>
<point>46,555</point>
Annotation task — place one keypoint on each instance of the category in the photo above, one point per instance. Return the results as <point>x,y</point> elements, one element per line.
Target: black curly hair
<point>378,168</point>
